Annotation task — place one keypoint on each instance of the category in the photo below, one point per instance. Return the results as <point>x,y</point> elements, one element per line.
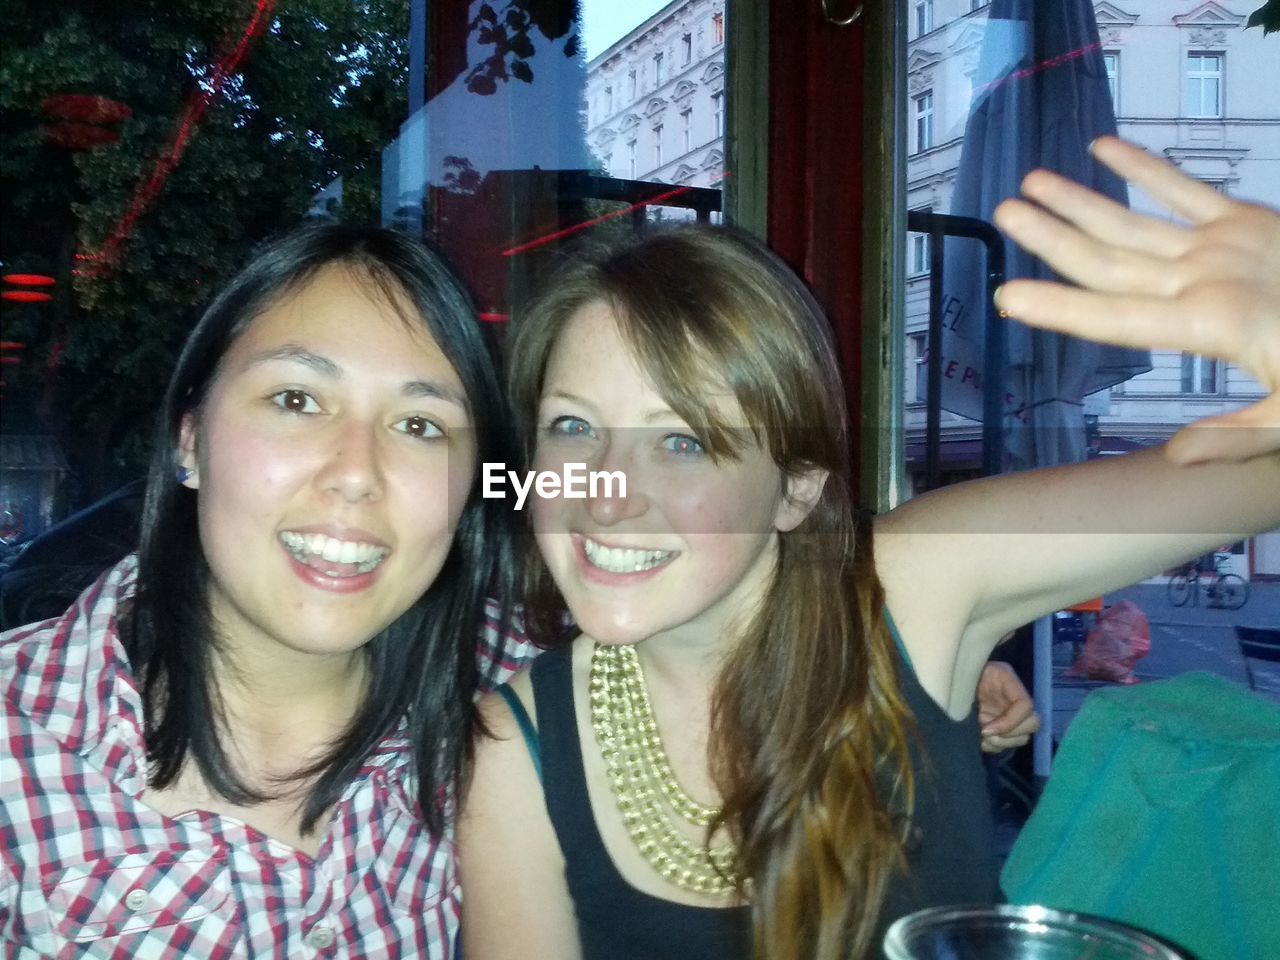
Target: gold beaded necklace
<point>640,774</point>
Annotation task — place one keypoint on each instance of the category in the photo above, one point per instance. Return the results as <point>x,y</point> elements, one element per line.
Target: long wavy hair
<point>809,731</point>
<point>423,665</point>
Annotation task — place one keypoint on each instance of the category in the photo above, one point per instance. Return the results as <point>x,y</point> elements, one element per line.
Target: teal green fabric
<point>1163,811</point>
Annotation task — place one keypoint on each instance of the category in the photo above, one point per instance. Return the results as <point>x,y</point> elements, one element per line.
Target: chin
<point>614,630</point>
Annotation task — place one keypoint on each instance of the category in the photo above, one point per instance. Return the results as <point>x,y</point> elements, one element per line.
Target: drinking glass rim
<point>1030,914</point>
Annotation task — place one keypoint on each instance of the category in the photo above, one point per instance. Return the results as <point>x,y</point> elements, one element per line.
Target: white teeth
<point>311,545</point>
<point>623,559</point>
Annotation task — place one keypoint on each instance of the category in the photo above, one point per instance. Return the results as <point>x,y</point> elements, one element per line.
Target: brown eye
<point>295,401</point>
<point>419,427</point>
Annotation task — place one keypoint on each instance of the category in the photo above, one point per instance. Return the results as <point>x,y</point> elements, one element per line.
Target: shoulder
<point>504,648</point>
<point>65,674</point>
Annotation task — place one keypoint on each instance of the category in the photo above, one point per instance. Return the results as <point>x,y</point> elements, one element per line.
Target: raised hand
<point>1211,287</point>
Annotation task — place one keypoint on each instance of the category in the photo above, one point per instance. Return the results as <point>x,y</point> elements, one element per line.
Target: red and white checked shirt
<point>89,870</point>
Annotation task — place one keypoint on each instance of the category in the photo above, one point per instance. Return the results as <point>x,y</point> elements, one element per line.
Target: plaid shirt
<point>89,870</point>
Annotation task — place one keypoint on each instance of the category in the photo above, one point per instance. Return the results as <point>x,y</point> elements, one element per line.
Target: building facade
<point>656,99</point>
<point>1188,82</point>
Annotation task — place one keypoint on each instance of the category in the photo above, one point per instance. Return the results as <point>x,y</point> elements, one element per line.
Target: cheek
<point>245,465</point>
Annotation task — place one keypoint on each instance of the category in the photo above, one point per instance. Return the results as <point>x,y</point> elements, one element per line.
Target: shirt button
<point>135,899</point>
<point>321,937</point>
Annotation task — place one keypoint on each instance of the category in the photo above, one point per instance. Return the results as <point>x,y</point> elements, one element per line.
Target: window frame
<point>1195,370</point>
<point>1218,76</point>
<point>922,121</point>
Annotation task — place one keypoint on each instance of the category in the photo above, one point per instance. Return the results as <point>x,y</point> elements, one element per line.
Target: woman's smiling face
<point>333,457</point>
<point>692,545</point>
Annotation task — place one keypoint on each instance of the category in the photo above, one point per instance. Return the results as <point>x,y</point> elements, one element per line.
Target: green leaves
<point>317,95</point>
<point>1266,16</point>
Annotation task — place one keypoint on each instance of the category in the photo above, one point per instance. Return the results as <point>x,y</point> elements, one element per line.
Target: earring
<point>183,474</point>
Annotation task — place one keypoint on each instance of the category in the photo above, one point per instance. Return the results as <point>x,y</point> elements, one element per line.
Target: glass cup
<point>1008,932</point>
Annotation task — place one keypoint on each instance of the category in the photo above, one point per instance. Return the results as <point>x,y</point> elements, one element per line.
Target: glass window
<point>631,84</point>
<point>657,69</point>
<point>717,106</point>
<point>919,253</point>
<point>657,145</point>
<point>923,17</point>
<point>1111,62</point>
<point>1199,374</point>
<point>631,159</point>
<point>686,128</point>
<point>686,48</point>
<point>1204,84</point>
<point>717,27</point>
<point>923,121</point>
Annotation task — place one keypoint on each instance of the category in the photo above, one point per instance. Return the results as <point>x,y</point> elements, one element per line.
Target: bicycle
<point>1223,591</point>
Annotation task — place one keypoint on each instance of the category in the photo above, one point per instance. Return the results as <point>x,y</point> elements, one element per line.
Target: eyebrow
<point>658,413</point>
<point>322,365</point>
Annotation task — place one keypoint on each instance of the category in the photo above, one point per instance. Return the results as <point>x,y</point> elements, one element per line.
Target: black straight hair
<point>424,665</point>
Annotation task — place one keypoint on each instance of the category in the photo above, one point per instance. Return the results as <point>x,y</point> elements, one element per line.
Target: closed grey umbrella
<point>1041,97</point>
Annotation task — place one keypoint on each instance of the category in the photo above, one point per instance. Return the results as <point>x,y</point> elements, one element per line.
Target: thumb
<point>1238,435</point>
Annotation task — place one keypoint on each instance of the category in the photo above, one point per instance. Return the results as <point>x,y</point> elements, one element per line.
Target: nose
<point>610,501</point>
<point>354,468</point>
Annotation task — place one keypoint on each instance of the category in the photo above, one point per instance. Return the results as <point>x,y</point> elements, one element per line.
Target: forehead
<point>592,358</point>
<point>351,320</point>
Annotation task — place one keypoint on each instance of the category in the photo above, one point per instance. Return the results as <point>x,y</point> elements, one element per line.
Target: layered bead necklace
<point>641,778</point>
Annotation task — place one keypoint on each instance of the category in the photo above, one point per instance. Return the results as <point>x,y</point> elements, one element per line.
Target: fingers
<point>1103,218</point>
<point>1010,734</point>
<point>1081,257</point>
<point>1187,197</point>
<point>1125,321</point>
<point>1238,435</point>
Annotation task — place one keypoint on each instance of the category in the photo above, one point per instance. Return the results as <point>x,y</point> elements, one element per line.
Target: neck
<point>281,706</point>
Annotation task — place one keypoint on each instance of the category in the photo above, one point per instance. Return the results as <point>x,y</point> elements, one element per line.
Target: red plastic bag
<point>1120,639</point>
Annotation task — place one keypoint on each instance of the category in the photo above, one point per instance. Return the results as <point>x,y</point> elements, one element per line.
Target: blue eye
<point>571,427</point>
<point>295,401</point>
<point>682,445</point>
<point>419,428</point>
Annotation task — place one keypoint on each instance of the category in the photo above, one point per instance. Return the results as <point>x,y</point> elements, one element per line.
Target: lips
<point>623,559</point>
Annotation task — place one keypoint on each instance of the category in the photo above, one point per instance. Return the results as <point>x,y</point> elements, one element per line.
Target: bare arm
<point>963,565</point>
<point>515,902</point>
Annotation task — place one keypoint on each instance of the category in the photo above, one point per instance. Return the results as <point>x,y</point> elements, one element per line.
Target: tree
<point>1266,16</point>
<point>235,156</point>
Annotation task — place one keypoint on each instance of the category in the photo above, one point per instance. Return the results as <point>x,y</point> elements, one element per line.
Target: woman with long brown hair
<point>758,737</point>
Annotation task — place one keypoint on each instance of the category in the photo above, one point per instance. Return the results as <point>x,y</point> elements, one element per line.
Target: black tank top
<point>950,851</point>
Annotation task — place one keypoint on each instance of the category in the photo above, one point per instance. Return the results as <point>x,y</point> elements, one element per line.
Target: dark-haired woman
<point>758,740</point>
<point>212,753</point>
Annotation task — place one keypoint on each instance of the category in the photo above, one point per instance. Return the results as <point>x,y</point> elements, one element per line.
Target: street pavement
<point>1182,639</point>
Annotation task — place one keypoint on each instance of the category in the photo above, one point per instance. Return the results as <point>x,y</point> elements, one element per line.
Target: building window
<point>608,101</point>
<point>717,27</point>
<point>1111,61</point>
<point>608,163</point>
<point>977,4</point>
<point>631,85</point>
<point>917,371</point>
<point>686,49</point>
<point>657,69</point>
<point>686,128</point>
<point>1204,84</point>
<point>657,145</point>
<point>717,106</point>
<point>924,120</point>
<point>919,253</point>
<point>631,159</point>
<point>923,17</point>
<point>1200,374</point>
